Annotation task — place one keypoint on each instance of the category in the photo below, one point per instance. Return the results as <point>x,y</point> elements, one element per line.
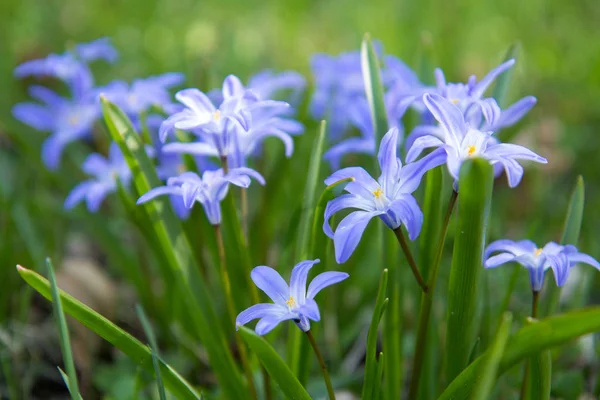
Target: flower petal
<point>482,85</point>
<point>232,86</point>
<point>268,323</point>
<point>195,148</point>
<point>349,232</point>
<point>388,161</point>
<point>344,201</point>
<point>448,115</point>
<point>516,248</point>
<point>77,194</point>
<point>159,191</point>
<point>406,210</point>
<point>411,174</point>
<point>420,144</point>
<point>195,100</point>
<point>513,151</point>
<point>498,260</point>
<point>514,113</point>
<point>269,281</point>
<point>323,280</point>
<point>298,280</point>
<point>259,311</point>
<point>310,309</point>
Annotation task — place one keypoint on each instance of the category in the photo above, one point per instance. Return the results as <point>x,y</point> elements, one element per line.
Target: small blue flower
<point>209,190</point>
<point>292,302</point>
<point>268,84</point>
<point>461,141</point>
<point>67,120</point>
<point>537,260</point>
<point>99,49</point>
<point>389,198</point>
<point>105,172</point>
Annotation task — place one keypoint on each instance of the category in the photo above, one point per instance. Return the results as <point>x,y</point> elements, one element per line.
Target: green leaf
<point>154,347</point>
<point>198,314</point>
<point>483,388</point>
<point>308,204</point>
<point>387,243</point>
<point>540,376</point>
<point>503,81</point>
<point>529,340</point>
<point>123,341</point>
<point>63,330</point>
<point>371,71</point>
<point>298,359</point>
<point>274,365</point>
<point>372,365</point>
<point>570,235</point>
<point>475,182</point>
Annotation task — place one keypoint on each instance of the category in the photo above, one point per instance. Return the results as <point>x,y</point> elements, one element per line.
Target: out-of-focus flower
<point>66,119</point>
<point>293,302</point>
<point>268,84</point>
<point>209,190</point>
<point>389,198</point>
<point>537,260</point>
<point>104,173</point>
<point>460,142</point>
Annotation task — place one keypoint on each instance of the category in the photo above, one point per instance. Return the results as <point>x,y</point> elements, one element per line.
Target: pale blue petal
<point>423,130</point>
<point>348,233</point>
<point>323,280</point>
<point>482,85</point>
<point>298,280</point>
<point>388,161</point>
<point>516,248</point>
<point>351,145</point>
<point>232,86</point>
<point>259,311</point>
<point>344,201</point>
<point>536,277</point>
<point>514,171</point>
<point>95,164</point>
<point>269,281</point>
<point>448,115</point>
<point>420,144</point>
<point>195,100</point>
<point>498,259</point>
<point>159,191</point>
<point>245,172</point>
<point>310,309</point>
<point>195,148</point>
<point>515,112</point>
<point>268,323</point>
<point>37,116</point>
<point>77,194</point>
<point>411,174</point>
<point>406,210</point>
<point>513,151</point>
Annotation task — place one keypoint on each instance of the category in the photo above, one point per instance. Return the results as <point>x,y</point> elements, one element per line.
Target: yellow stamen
<point>470,150</point>
<point>378,193</point>
<point>454,101</point>
<point>537,252</point>
<point>291,302</point>
<point>217,115</point>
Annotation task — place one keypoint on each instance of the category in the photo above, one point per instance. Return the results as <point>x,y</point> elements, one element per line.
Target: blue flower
<point>461,141</point>
<point>238,126</point>
<point>292,302</point>
<point>267,84</point>
<point>389,198</point>
<point>142,94</point>
<point>66,119</point>
<point>537,260</point>
<point>209,190</point>
<point>105,172</point>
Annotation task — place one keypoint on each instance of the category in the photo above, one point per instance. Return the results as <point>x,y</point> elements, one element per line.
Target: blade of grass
<point>372,365</point>
<point>476,181</point>
<point>63,330</point>
<point>277,368</point>
<point>123,341</point>
<point>371,71</point>
<point>198,315</point>
<point>570,235</point>
<point>483,387</point>
<point>154,348</point>
<point>540,376</point>
<point>529,340</point>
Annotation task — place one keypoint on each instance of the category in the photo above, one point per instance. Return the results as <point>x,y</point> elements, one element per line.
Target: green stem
<point>315,347</point>
<point>426,303</point>
<point>231,310</point>
<point>534,308</point>
<point>244,200</point>
<point>409,257</point>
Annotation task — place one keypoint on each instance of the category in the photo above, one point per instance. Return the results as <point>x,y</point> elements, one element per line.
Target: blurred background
<point>558,62</point>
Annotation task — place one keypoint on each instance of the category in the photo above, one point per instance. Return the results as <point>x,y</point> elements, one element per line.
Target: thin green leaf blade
<point>371,71</point>
<point>154,347</point>
<point>274,364</point>
<point>483,387</point>
<point>104,328</point>
<point>528,341</point>
<point>63,330</point>
<point>475,181</point>
<point>370,383</point>
<point>540,376</point>
<point>570,235</point>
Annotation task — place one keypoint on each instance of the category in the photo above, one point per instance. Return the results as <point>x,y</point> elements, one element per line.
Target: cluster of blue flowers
<point>223,129</point>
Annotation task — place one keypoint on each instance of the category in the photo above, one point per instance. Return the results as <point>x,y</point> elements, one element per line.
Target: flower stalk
<point>411,260</point>
<point>326,378</point>
<point>427,302</point>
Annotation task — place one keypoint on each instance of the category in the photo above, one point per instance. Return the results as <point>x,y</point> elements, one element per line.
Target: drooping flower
<point>293,302</point>
<point>104,173</point>
<point>67,120</point>
<point>389,198</point>
<point>209,190</point>
<point>538,260</point>
<point>461,141</point>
